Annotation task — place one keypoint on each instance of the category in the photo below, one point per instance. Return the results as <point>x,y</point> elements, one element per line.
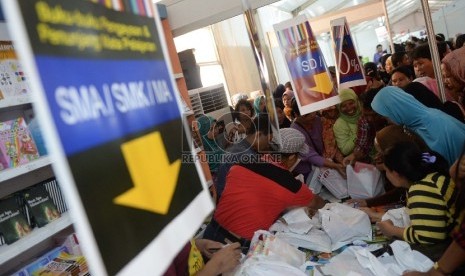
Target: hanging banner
<point>314,89</point>
<point>111,116</point>
<point>349,68</point>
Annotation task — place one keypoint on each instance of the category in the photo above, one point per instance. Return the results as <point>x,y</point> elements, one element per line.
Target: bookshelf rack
<point>15,179</point>
<point>15,101</point>
<point>23,169</point>
<point>37,241</point>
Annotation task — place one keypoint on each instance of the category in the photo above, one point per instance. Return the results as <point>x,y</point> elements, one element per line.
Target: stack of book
<point>26,209</point>
<point>64,265</point>
<point>60,261</point>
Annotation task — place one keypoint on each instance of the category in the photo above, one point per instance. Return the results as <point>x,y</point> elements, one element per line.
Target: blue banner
<point>102,100</point>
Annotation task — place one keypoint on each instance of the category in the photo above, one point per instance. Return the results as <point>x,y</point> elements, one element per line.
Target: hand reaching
<point>349,160</point>
<point>225,259</point>
<point>358,202</point>
<point>374,215</point>
<point>386,227</point>
<point>208,247</point>
<point>341,169</point>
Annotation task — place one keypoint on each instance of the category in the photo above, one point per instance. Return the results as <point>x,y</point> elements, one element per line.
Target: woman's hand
<point>358,202</point>
<point>341,169</point>
<point>208,247</point>
<point>225,259</point>
<point>349,159</point>
<point>374,215</point>
<point>388,229</point>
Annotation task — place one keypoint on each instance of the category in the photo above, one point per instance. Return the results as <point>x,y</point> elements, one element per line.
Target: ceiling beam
<point>399,16</point>
<point>302,7</point>
<point>338,7</point>
<point>354,15</point>
<point>189,15</point>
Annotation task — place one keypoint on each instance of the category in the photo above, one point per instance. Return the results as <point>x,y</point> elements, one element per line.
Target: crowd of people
<point>397,121</point>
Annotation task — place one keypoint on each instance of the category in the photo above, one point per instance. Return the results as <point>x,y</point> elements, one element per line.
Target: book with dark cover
<point>13,224</point>
<point>40,205</point>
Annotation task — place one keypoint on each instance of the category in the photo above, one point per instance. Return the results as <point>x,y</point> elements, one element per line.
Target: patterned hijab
<point>345,95</point>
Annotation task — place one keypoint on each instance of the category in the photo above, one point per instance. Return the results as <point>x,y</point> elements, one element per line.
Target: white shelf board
<point>28,167</point>
<point>38,235</point>
<point>14,101</point>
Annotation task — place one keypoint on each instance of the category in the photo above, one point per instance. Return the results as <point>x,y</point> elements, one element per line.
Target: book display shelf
<point>24,163</point>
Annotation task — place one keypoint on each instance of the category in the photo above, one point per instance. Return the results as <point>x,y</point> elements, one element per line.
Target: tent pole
<point>435,58</point>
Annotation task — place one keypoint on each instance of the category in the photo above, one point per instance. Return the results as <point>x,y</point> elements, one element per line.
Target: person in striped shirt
<point>430,197</point>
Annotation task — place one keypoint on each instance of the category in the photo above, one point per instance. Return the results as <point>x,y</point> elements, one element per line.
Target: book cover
<point>64,264</point>
<point>16,143</point>
<point>55,252</point>
<point>40,205</point>
<point>13,224</point>
<point>35,131</point>
<point>71,243</point>
<point>36,265</point>
<point>4,159</point>
<point>13,82</point>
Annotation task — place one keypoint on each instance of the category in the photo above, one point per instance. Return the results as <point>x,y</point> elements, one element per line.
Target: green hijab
<point>209,145</point>
<point>345,95</point>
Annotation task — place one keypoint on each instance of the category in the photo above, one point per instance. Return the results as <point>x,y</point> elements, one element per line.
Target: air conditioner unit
<point>211,101</point>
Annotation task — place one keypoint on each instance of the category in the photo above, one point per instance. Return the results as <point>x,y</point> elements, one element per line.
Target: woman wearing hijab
<point>259,105</point>
<point>441,132</point>
<point>208,133</point>
<point>423,95</point>
<point>345,128</point>
<point>287,101</point>
<point>311,127</point>
<point>427,97</point>
<point>453,71</point>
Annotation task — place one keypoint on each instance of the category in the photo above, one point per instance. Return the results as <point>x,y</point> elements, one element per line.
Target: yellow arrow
<point>153,176</point>
<point>323,83</point>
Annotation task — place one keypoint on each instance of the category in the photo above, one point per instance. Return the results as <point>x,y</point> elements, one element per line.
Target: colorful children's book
<point>64,264</point>
<point>16,144</point>
<point>36,265</point>
<point>4,160</point>
<point>13,82</point>
<point>41,205</point>
<point>13,224</point>
<point>35,131</point>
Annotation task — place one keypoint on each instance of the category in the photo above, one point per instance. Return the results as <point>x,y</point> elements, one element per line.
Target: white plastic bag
<point>364,181</point>
<point>261,266</point>
<point>334,182</point>
<point>274,249</point>
<point>316,240</point>
<point>344,224</point>
<point>312,180</point>
<point>409,259</point>
<point>363,262</point>
<point>399,217</point>
<point>298,220</point>
<point>346,263</point>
